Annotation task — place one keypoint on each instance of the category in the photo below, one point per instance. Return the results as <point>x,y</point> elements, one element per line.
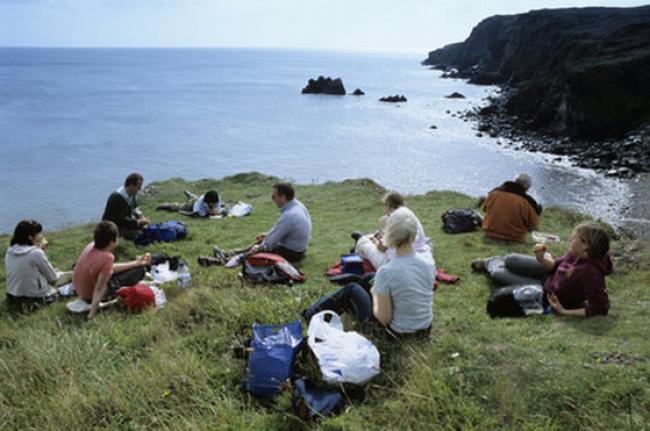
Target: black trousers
<point>125,278</point>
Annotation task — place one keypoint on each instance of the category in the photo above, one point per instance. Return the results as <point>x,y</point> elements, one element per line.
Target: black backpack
<point>457,220</point>
<point>516,301</point>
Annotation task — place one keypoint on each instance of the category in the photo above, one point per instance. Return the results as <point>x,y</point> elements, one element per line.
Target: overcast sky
<point>389,25</point>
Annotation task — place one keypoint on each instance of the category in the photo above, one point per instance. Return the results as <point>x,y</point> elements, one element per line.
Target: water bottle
<point>184,276</point>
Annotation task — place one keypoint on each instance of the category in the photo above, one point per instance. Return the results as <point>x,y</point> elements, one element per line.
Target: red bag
<point>136,298</point>
<point>270,268</point>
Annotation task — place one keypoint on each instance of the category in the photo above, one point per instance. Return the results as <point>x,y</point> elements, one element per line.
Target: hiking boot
<point>207,261</point>
<point>478,265</point>
<point>356,235</point>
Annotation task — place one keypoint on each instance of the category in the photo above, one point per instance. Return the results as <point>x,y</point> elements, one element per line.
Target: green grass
<point>173,368</point>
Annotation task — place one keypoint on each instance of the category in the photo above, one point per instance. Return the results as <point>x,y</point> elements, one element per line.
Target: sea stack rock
<point>455,95</point>
<point>393,99</point>
<point>324,85</point>
<point>358,92</point>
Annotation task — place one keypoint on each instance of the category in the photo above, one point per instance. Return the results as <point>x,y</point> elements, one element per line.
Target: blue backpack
<point>163,232</point>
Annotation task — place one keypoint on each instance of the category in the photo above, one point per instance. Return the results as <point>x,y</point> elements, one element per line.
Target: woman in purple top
<point>574,283</point>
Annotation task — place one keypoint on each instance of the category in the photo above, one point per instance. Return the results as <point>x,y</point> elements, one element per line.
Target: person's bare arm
<point>140,261</point>
<point>382,307</point>
<point>100,289</point>
<point>557,306</point>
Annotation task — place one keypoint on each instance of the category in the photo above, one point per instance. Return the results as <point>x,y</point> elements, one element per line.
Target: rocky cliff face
<point>582,73</point>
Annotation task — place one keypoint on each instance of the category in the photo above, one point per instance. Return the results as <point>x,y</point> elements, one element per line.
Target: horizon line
<point>279,48</point>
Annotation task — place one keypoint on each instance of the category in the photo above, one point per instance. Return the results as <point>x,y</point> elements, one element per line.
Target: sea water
<point>75,122</point>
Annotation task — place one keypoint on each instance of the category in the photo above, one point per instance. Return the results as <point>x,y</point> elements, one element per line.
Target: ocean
<point>75,122</point>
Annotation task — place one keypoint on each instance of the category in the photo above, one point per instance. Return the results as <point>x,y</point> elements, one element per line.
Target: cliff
<point>582,73</point>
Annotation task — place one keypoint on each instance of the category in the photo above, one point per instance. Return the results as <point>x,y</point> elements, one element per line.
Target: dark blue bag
<point>310,403</point>
<point>163,232</point>
<point>274,349</point>
<point>352,264</point>
<point>176,226</point>
<point>459,220</point>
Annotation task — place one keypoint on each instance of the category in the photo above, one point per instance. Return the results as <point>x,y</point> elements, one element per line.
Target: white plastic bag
<point>162,274</point>
<point>342,356</point>
<point>240,209</point>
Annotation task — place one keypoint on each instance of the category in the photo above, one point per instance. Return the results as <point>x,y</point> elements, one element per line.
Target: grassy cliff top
<point>173,368</point>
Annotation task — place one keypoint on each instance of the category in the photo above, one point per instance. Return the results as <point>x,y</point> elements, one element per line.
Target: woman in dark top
<point>574,283</point>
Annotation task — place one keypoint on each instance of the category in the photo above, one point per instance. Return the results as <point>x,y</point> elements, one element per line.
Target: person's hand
<point>254,249</point>
<point>375,241</point>
<point>261,237</point>
<point>144,260</point>
<point>539,250</point>
<point>44,245</point>
<point>555,303</point>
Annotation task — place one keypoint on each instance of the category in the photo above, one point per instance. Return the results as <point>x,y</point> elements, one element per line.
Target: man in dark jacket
<point>122,208</point>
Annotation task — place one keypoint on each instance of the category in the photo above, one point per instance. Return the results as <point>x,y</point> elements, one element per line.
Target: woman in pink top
<point>96,276</point>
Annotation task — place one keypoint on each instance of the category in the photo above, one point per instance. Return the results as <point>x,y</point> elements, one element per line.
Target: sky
<point>383,25</point>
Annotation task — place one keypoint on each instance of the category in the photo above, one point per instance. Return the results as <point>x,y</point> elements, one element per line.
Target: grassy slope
<point>174,368</point>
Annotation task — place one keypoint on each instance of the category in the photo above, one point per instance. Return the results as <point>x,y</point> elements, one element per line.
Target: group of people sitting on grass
<point>398,297</point>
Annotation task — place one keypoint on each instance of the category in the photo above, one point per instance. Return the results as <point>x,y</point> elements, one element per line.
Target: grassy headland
<point>173,368</point>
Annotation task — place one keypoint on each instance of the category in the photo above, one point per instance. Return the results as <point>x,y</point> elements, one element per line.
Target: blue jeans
<point>351,298</point>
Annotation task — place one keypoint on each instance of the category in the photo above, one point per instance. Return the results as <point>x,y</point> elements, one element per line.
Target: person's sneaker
<point>219,254</point>
<point>356,235</point>
<point>207,261</point>
<point>478,265</point>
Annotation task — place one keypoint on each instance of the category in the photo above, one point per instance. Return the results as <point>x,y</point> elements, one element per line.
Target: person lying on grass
<point>205,205</point>
<point>30,275</point>
<point>574,283</point>
<point>402,296</point>
<point>96,277</point>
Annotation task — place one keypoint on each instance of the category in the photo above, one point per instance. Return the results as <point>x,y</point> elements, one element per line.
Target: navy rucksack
<point>457,220</point>
<point>163,232</point>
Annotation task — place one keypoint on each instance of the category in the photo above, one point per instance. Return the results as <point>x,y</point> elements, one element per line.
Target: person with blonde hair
<point>402,295</point>
<point>574,283</point>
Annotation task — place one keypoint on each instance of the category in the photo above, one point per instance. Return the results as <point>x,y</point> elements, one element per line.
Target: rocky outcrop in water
<point>393,99</point>
<point>358,92</point>
<point>577,73</point>
<point>324,85</point>
<point>455,95</point>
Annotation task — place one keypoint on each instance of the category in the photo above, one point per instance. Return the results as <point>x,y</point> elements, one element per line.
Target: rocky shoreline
<point>623,158</point>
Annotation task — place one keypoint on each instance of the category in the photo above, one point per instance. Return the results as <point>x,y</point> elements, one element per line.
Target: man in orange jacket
<point>510,212</point>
